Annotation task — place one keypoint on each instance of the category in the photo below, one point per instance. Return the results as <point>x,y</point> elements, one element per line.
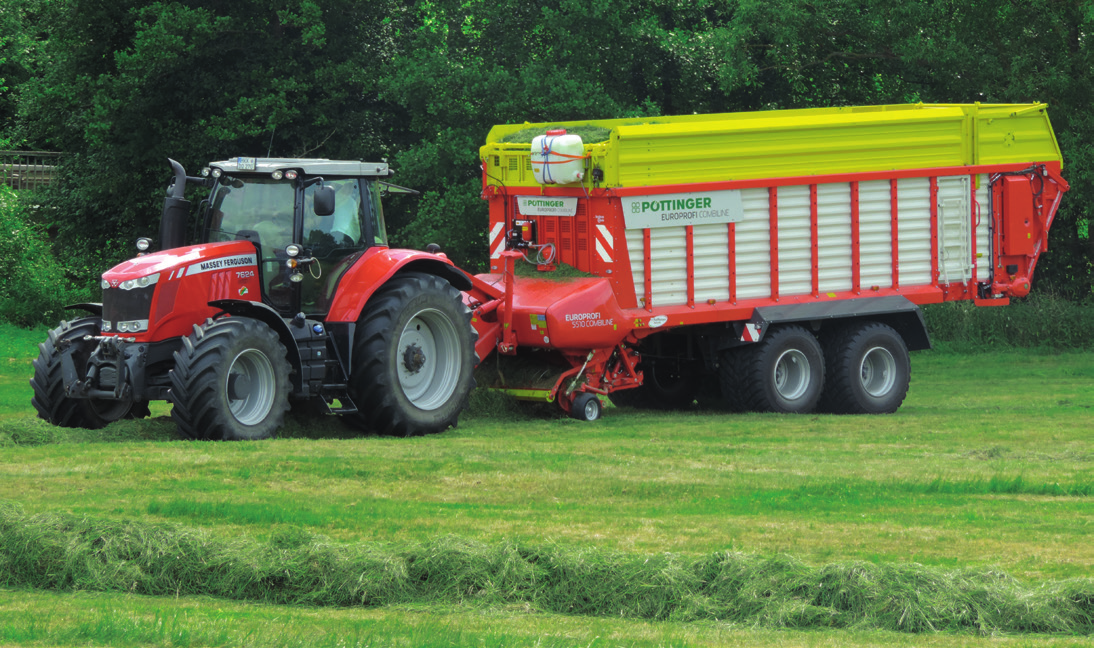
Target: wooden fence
<point>26,170</point>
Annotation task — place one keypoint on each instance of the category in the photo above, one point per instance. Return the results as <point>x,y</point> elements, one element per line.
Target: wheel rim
<point>878,372</point>
<point>250,387</point>
<point>792,374</point>
<point>592,409</point>
<point>429,359</point>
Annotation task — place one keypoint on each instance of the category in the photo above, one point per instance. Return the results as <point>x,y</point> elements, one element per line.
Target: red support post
<point>814,240</point>
<point>773,209</point>
<point>689,236</point>
<point>732,263</point>
<point>647,254</point>
<point>856,245</point>
<point>893,206</point>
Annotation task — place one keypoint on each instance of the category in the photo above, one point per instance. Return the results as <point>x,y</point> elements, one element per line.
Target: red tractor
<point>291,296</point>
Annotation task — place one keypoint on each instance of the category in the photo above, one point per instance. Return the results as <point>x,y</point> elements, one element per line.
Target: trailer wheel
<point>868,370</point>
<point>414,356</point>
<point>48,382</point>
<point>230,381</point>
<point>784,372</point>
<point>586,407</point>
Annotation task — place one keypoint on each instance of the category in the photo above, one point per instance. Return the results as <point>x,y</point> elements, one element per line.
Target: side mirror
<point>324,200</point>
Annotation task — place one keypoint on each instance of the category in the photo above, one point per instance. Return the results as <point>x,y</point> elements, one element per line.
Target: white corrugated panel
<point>875,234</point>
<point>637,252</point>
<point>669,266</point>
<point>795,242</point>
<point>834,237</point>
<point>710,246</point>
<point>982,209</point>
<point>753,245</point>
<point>954,224</point>
<point>914,231</point>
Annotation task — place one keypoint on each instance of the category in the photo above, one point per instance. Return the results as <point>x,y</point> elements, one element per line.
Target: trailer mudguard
<point>896,311</point>
<point>376,267</point>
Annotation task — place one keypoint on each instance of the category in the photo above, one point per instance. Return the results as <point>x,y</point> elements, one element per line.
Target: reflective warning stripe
<point>605,244</point>
<point>750,334</point>
<point>497,242</point>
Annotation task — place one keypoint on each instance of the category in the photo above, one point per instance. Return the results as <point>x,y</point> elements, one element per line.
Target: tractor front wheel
<point>413,357</point>
<point>230,381</point>
<point>50,399</point>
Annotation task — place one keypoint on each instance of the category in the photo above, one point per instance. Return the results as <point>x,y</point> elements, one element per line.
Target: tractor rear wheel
<point>784,372</point>
<point>48,382</point>
<point>230,381</point>
<point>413,357</point>
<point>868,370</point>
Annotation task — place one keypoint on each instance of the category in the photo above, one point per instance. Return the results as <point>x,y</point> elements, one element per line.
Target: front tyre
<point>413,357</point>
<point>50,399</point>
<point>868,370</point>
<point>230,381</point>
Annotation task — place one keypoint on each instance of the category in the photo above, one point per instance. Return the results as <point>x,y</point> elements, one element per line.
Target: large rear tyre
<point>868,370</point>
<point>50,400</point>
<point>230,381</point>
<point>414,356</point>
<point>784,372</point>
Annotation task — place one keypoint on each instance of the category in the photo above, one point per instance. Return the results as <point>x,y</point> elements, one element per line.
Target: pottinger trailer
<point>763,260</point>
<point>756,260</point>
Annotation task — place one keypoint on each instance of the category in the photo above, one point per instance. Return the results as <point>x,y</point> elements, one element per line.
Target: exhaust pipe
<point>176,211</point>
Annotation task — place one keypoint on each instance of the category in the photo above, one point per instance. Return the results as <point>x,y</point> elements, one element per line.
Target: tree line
<point>120,85</point>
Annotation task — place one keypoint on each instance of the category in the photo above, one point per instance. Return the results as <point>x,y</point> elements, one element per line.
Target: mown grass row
<point>295,567</point>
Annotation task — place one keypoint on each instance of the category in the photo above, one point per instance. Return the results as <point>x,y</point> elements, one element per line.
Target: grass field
<point>988,466</point>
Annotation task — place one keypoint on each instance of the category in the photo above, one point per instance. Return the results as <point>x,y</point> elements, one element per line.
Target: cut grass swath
<point>68,552</point>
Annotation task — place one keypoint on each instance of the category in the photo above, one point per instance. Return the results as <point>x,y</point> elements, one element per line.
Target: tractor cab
<point>304,245</point>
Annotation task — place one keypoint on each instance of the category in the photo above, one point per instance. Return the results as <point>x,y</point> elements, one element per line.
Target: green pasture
<point>986,467</point>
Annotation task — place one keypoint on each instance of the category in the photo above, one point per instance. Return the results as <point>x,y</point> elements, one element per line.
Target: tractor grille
<point>126,305</point>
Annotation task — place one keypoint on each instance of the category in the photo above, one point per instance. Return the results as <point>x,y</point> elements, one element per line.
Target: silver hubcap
<point>792,374</point>
<point>878,372</point>
<point>429,359</point>
<point>592,410</point>
<point>250,386</point>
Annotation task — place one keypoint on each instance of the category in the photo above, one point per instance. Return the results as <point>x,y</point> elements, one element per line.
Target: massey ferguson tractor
<point>771,261</point>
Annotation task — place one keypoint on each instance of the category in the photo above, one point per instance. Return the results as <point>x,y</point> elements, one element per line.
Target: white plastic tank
<point>558,158</point>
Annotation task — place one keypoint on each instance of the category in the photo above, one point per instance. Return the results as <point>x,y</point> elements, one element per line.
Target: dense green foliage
<point>38,286</point>
<point>122,85</point>
<point>296,567</point>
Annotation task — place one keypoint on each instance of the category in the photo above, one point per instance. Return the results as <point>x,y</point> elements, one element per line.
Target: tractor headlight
<point>143,244</point>
<point>293,250</point>
<point>144,282</point>
<point>277,175</point>
<point>105,284</point>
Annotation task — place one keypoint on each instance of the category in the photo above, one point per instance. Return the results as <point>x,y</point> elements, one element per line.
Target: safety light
<point>293,250</point>
<point>205,172</point>
<point>217,173</point>
<point>143,244</point>
<point>291,175</point>
<point>296,277</point>
<point>277,175</point>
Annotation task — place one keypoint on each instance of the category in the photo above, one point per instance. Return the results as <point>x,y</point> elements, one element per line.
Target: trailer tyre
<point>586,407</point>
<point>868,370</point>
<point>414,357</point>
<point>784,372</point>
<point>48,384</point>
<point>230,381</point>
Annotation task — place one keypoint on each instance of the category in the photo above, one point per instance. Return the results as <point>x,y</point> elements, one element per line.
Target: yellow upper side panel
<point>794,143</point>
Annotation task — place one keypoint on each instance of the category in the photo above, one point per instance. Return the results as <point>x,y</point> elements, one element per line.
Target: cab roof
<point>306,166</point>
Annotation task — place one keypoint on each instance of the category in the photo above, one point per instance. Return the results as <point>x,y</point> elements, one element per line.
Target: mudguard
<point>376,267</point>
